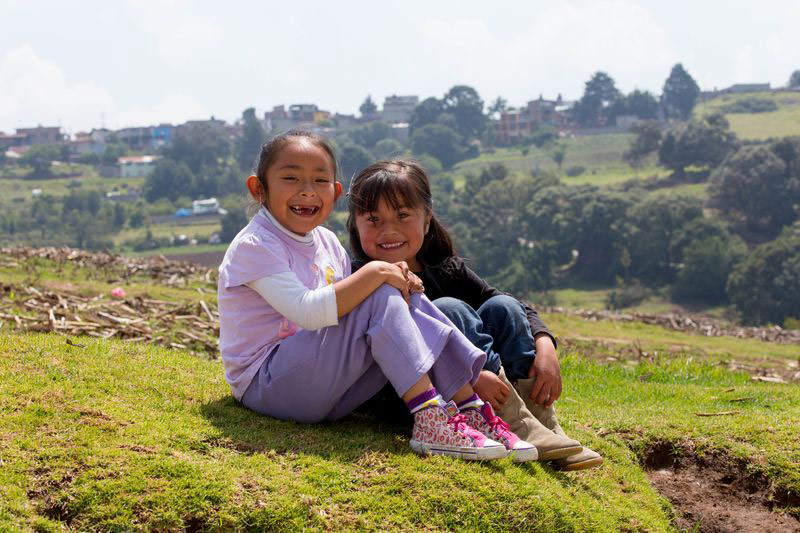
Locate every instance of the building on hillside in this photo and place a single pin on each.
(130, 194)
(398, 108)
(93, 142)
(13, 140)
(515, 124)
(39, 135)
(302, 113)
(747, 88)
(161, 136)
(277, 119)
(136, 166)
(345, 121)
(137, 138)
(183, 129)
(400, 131)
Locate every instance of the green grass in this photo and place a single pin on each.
(129, 436)
(15, 194)
(759, 126)
(116, 436)
(201, 230)
(601, 155)
(617, 336)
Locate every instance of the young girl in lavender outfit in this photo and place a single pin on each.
(303, 339)
(391, 219)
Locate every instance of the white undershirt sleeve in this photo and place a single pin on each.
(308, 308)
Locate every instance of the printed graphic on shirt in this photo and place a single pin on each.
(287, 329)
(330, 275)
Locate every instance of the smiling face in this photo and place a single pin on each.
(301, 188)
(392, 235)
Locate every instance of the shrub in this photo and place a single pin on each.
(750, 105)
(627, 296)
(577, 170)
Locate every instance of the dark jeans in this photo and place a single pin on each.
(499, 327)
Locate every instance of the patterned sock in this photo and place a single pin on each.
(473, 402)
(426, 399)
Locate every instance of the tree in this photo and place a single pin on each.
(248, 146)
(558, 153)
(439, 141)
(704, 142)
(651, 227)
(352, 159)
(641, 104)
(204, 144)
(232, 223)
(112, 152)
(541, 135)
(168, 180)
(368, 109)
(647, 141)
(765, 286)
(370, 134)
(680, 93)
(759, 186)
(464, 103)
(599, 104)
(388, 148)
(706, 266)
(498, 106)
(425, 113)
(40, 157)
(794, 79)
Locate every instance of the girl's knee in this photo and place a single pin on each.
(450, 304)
(504, 303)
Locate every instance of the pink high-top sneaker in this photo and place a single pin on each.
(484, 420)
(441, 430)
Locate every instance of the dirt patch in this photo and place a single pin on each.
(208, 259)
(715, 493)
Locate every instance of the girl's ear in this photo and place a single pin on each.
(256, 191)
(428, 218)
(337, 190)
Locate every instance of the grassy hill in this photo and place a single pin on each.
(107, 434)
(783, 122)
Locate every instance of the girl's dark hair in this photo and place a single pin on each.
(271, 149)
(400, 182)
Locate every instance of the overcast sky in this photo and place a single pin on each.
(129, 62)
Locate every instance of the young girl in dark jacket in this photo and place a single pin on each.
(391, 219)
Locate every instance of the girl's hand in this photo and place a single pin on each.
(546, 371)
(394, 275)
(414, 283)
(490, 389)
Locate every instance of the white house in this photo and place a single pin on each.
(204, 207)
(136, 166)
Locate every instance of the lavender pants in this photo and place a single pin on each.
(325, 374)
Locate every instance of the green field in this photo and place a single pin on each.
(601, 155)
(759, 126)
(112, 435)
(16, 193)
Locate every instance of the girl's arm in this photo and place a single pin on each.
(354, 289)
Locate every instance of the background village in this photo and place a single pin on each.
(621, 201)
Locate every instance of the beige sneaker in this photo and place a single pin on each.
(520, 420)
(581, 460)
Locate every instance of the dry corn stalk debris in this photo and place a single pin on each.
(180, 324)
(705, 326)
